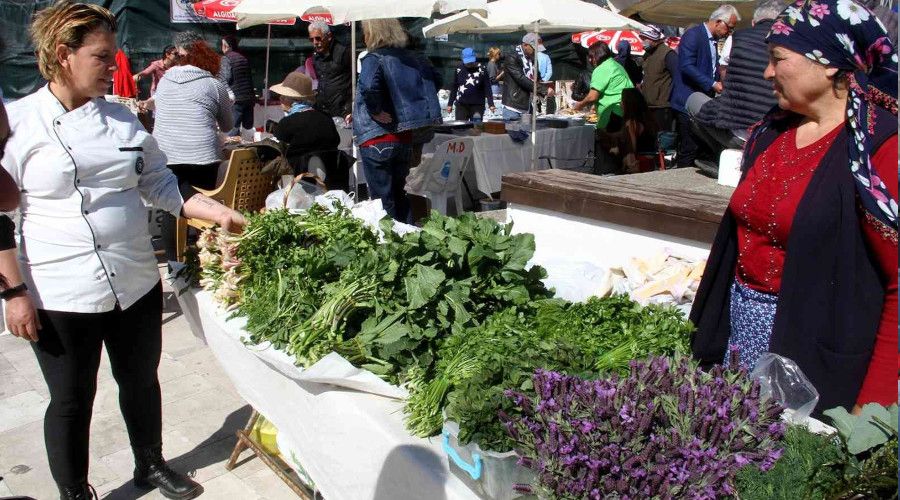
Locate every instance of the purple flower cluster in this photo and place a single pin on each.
(667, 430)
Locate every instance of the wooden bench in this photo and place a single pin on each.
(681, 202)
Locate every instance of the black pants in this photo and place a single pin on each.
(201, 176)
(687, 143)
(664, 119)
(68, 352)
(467, 111)
(604, 162)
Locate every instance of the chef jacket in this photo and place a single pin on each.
(84, 244)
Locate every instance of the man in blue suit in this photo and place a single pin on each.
(698, 71)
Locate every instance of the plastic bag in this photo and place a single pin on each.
(780, 378)
(294, 193)
(265, 435)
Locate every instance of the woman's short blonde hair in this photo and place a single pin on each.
(381, 33)
(68, 23)
(493, 53)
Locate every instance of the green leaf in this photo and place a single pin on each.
(422, 285)
(393, 333)
(861, 432)
(458, 246)
(522, 252)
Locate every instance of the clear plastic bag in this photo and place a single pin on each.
(295, 193)
(781, 379)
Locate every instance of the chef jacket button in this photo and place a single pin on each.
(58, 123)
(98, 247)
(112, 274)
(77, 181)
(86, 212)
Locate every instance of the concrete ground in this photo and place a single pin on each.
(201, 412)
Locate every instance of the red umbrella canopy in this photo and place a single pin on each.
(611, 38)
(221, 10)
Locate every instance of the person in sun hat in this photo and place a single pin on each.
(471, 88)
(804, 264)
(304, 128)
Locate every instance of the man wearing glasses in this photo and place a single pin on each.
(698, 63)
(332, 64)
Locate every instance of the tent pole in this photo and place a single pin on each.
(354, 187)
(266, 79)
(537, 76)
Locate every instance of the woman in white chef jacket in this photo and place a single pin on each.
(88, 273)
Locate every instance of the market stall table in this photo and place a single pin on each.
(496, 155)
(353, 445)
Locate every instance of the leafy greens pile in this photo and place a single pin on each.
(584, 339)
(859, 462)
(450, 311)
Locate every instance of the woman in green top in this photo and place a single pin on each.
(608, 81)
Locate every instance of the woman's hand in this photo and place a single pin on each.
(22, 318)
(232, 221)
(383, 117)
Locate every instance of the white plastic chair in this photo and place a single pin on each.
(442, 174)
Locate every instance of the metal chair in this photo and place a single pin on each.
(244, 189)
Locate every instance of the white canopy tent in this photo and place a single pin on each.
(539, 16)
(253, 12)
(681, 13)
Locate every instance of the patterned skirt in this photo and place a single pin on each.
(752, 318)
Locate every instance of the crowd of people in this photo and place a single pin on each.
(804, 263)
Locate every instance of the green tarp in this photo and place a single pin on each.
(145, 29)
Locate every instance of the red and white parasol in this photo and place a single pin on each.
(221, 10)
(611, 38)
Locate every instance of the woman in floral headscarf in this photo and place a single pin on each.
(805, 261)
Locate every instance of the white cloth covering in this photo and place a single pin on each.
(352, 444)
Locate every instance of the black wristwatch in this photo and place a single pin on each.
(13, 292)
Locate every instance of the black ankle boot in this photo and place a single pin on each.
(151, 471)
(82, 491)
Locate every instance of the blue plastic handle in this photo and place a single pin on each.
(473, 470)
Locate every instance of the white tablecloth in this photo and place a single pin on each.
(496, 154)
(352, 444)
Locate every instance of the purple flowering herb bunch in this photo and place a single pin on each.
(666, 430)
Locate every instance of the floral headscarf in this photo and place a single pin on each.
(845, 35)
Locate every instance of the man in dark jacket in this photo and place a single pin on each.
(239, 78)
(698, 71)
(519, 69)
(723, 122)
(660, 66)
(333, 68)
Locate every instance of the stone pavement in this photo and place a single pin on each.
(201, 412)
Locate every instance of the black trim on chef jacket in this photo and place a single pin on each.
(76, 182)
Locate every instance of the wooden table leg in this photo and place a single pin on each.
(240, 446)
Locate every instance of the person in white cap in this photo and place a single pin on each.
(660, 66)
(519, 74)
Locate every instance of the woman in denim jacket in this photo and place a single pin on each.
(395, 95)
